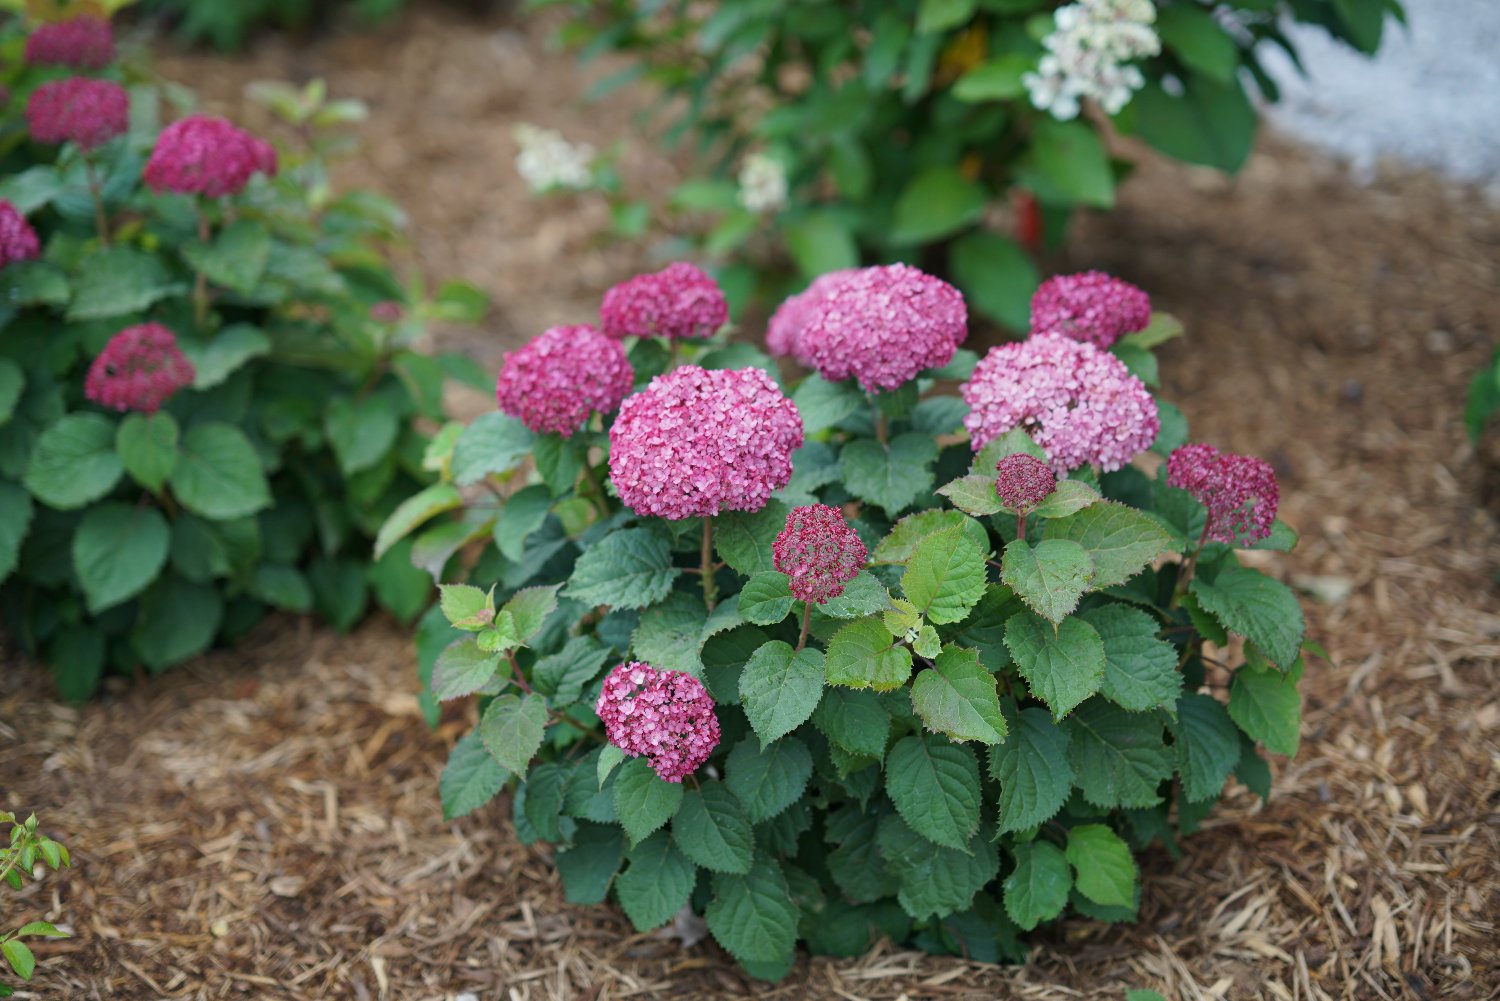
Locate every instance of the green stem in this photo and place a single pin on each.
(1021, 525)
(806, 617)
(200, 281)
(710, 589)
(101, 221)
(590, 479)
(1188, 568)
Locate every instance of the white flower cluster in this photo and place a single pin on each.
(1087, 54)
(548, 161)
(762, 183)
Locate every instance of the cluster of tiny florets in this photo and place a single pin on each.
(1023, 481)
(203, 155)
(881, 325)
(819, 552)
(563, 375)
(679, 301)
(665, 716)
(784, 332)
(77, 109)
(1239, 491)
(1088, 56)
(18, 240)
(546, 160)
(1080, 404)
(1091, 306)
(697, 441)
(81, 42)
(387, 311)
(139, 369)
(763, 184)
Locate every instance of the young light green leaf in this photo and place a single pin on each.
(19, 956)
(512, 729)
(863, 654)
(935, 786)
(780, 688)
(903, 538)
(466, 606)
(1070, 497)
(420, 507)
(945, 576)
(974, 494)
(1049, 577)
(530, 607)
(864, 595)
(1063, 664)
(711, 829)
(1037, 888)
(1012, 442)
(462, 669)
(957, 697)
(1104, 869)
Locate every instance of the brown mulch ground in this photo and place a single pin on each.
(264, 823)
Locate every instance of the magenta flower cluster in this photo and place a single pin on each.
(18, 240)
(879, 325)
(819, 552)
(80, 42)
(139, 369)
(697, 441)
(77, 109)
(1023, 481)
(203, 155)
(1239, 491)
(1080, 404)
(784, 332)
(562, 376)
(665, 716)
(679, 301)
(1092, 306)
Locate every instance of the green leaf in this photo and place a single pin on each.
(74, 462)
(1120, 540)
(945, 576)
(997, 80)
(974, 494)
(656, 883)
(530, 608)
(1268, 708)
(824, 404)
(1143, 995)
(854, 720)
(19, 956)
(935, 880)
(937, 202)
(471, 778)
(1063, 664)
(12, 383)
(219, 474)
(466, 606)
(711, 829)
(1209, 123)
(863, 595)
(494, 443)
(119, 281)
(417, 509)
(1140, 670)
(216, 359)
(284, 587)
(645, 801)
(610, 758)
(525, 511)
(557, 460)
(957, 697)
(1050, 577)
(1196, 38)
(935, 786)
(891, 478)
(147, 446)
(770, 779)
(1208, 748)
(1037, 888)
(780, 688)
(941, 15)
(820, 242)
(1119, 757)
(753, 916)
(1066, 164)
(512, 728)
(118, 549)
(1070, 497)
(361, 432)
(766, 598)
(671, 633)
(862, 654)
(236, 258)
(743, 541)
(904, 537)
(1012, 442)
(1259, 608)
(1103, 865)
(463, 668)
(43, 928)
(16, 511)
(1032, 768)
(996, 276)
(589, 865)
(177, 619)
(631, 568)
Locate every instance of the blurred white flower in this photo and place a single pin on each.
(762, 183)
(1090, 44)
(548, 161)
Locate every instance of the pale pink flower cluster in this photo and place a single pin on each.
(203, 155)
(784, 332)
(18, 240)
(1080, 404)
(879, 325)
(665, 716)
(562, 376)
(1091, 306)
(697, 441)
(679, 301)
(81, 42)
(76, 109)
(819, 552)
(1240, 491)
(1023, 481)
(139, 369)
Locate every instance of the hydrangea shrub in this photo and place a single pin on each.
(837, 657)
(209, 394)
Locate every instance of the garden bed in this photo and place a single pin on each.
(264, 822)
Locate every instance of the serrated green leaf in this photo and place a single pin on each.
(147, 446)
(235, 258)
(1267, 706)
(743, 540)
(1063, 664)
(753, 916)
(767, 780)
(973, 494)
(1049, 577)
(780, 688)
(935, 880)
(1207, 746)
(1069, 497)
(119, 281)
(425, 504)
(957, 698)
(906, 534)
(471, 778)
(630, 568)
(118, 549)
(1105, 871)
(863, 595)
(494, 443)
(588, 866)
(855, 720)
(935, 786)
(360, 431)
(656, 883)
(824, 404)
(610, 758)
(1140, 669)
(670, 633)
(1032, 768)
(529, 609)
(1120, 540)
(711, 829)
(1118, 757)
(74, 462)
(512, 728)
(945, 576)
(644, 800)
(19, 956)
(863, 654)
(1037, 888)
(1259, 608)
(216, 359)
(466, 606)
(766, 598)
(891, 478)
(219, 474)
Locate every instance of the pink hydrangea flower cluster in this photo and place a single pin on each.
(1091, 306)
(82, 42)
(1023, 481)
(784, 332)
(699, 441)
(77, 109)
(139, 369)
(18, 240)
(203, 155)
(1239, 491)
(665, 716)
(679, 301)
(387, 311)
(882, 325)
(819, 552)
(1079, 403)
(560, 377)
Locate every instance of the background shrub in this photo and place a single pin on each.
(227, 25)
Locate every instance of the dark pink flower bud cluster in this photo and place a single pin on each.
(387, 311)
(665, 716)
(819, 552)
(203, 155)
(1080, 404)
(563, 375)
(77, 109)
(699, 441)
(139, 369)
(882, 326)
(1091, 306)
(1024, 481)
(81, 42)
(18, 240)
(784, 332)
(1239, 491)
(679, 301)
